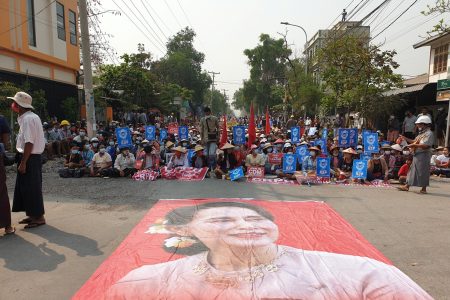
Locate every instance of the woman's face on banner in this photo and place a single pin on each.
(233, 226)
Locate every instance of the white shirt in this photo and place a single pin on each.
(30, 131)
(123, 162)
(443, 159)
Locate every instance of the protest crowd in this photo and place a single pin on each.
(306, 150)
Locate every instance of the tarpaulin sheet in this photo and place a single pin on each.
(184, 173)
(246, 249)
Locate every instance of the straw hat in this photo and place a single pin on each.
(227, 146)
(198, 148)
(253, 147)
(145, 141)
(268, 145)
(350, 151)
(279, 141)
(333, 147)
(314, 148)
(439, 148)
(22, 99)
(169, 144)
(386, 146)
(179, 149)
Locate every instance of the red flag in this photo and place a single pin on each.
(224, 135)
(251, 127)
(267, 121)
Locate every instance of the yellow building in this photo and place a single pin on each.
(39, 43)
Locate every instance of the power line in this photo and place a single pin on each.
(185, 15)
(385, 18)
(105, 43)
(156, 23)
(138, 28)
(173, 14)
(341, 13)
(160, 19)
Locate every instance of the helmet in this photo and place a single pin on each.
(94, 139)
(287, 145)
(423, 120)
(65, 123)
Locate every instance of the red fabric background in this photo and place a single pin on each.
(304, 225)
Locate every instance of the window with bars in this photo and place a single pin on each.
(60, 22)
(73, 27)
(440, 59)
(31, 23)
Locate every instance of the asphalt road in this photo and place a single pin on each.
(88, 218)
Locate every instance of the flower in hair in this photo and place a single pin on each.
(179, 242)
(159, 227)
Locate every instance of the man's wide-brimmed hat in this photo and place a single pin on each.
(350, 151)
(227, 146)
(314, 148)
(268, 145)
(22, 99)
(397, 147)
(169, 144)
(198, 148)
(179, 149)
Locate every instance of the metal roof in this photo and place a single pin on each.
(405, 90)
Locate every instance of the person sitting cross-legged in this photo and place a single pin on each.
(124, 163)
(101, 163)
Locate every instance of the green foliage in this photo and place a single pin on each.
(355, 74)
(219, 104)
(7, 89)
(440, 7)
(71, 109)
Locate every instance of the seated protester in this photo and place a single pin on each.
(199, 159)
(167, 153)
(184, 143)
(74, 164)
(254, 159)
(87, 154)
(81, 137)
(403, 172)
(437, 152)
(53, 141)
(287, 149)
(66, 136)
(101, 163)
(141, 146)
(388, 156)
(344, 171)
(268, 167)
(278, 146)
(226, 161)
(399, 161)
(178, 159)
(377, 168)
(94, 144)
(239, 154)
(148, 158)
(335, 160)
(124, 164)
(111, 149)
(359, 150)
(443, 163)
(309, 164)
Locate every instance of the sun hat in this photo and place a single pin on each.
(439, 148)
(386, 146)
(268, 145)
(287, 145)
(396, 147)
(333, 147)
(423, 120)
(169, 144)
(279, 141)
(22, 99)
(350, 151)
(198, 148)
(314, 148)
(179, 149)
(227, 146)
(253, 147)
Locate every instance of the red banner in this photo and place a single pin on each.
(246, 249)
(172, 128)
(184, 174)
(280, 181)
(275, 158)
(255, 172)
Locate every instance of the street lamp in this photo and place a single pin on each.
(306, 36)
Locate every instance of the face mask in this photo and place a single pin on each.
(269, 150)
(290, 152)
(262, 145)
(420, 128)
(102, 150)
(335, 153)
(359, 151)
(387, 152)
(406, 152)
(376, 158)
(74, 151)
(82, 133)
(86, 147)
(95, 145)
(126, 152)
(111, 143)
(236, 148)
(312, 153)
(184, 144)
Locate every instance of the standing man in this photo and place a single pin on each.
(209, 134)
(409, 125)
(30, 145)
(5, 208)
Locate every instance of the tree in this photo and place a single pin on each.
(440, 7)
(355, 73)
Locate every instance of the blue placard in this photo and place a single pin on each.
(323, 145)
(344, 137)
(325, 133)
(353, 137)
(365, 156)
(190, 154)
(237, 173)
(150, 133)
(366, 131)
(359, 170)
(162, 134)
(323, 167)
(239, 135)
(295, 134)
(183, 133)
(301, 152)
(123, 136)
(289, 163)
(370, 141)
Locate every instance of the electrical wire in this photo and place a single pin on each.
(159, 18)
(341, 13)
(156, 23)
(173, 14)
(184, 13)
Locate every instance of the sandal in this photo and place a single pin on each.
(403, 189)
(34, 225)
(421, 192)
(11, 230)
(26, 221)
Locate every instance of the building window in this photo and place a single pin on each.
(73, 27)
(440, 59)
(60, 23)
(31, 23)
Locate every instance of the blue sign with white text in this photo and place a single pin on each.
(344, 137)
(183, 133)
(359, 170)
(353, 140)
(190, 154)
(289, 163)
(301, 152)
(323, 145)
(295, 134)
(365, 156)
(323, 167)
(237, 173)
(162, 134)
(325, 133)
(150, 133)
(123, 137)
(370, 141)
(239, 135)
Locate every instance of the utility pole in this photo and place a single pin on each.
(212, 85)
(447, 130)
(87, 70)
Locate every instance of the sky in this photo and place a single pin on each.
(226, 28)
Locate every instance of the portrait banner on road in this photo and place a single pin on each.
(275, 158)
(162, 135)
(170, 253)
(184, 174)
(123, 136)
(323, 167)
(370, 142)
(236, 174)
(183, 133)
(238, 135)
(289, 163)
(150, 133)
(255, 172)
(279, 181)
(359, 170)
(295, 134)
